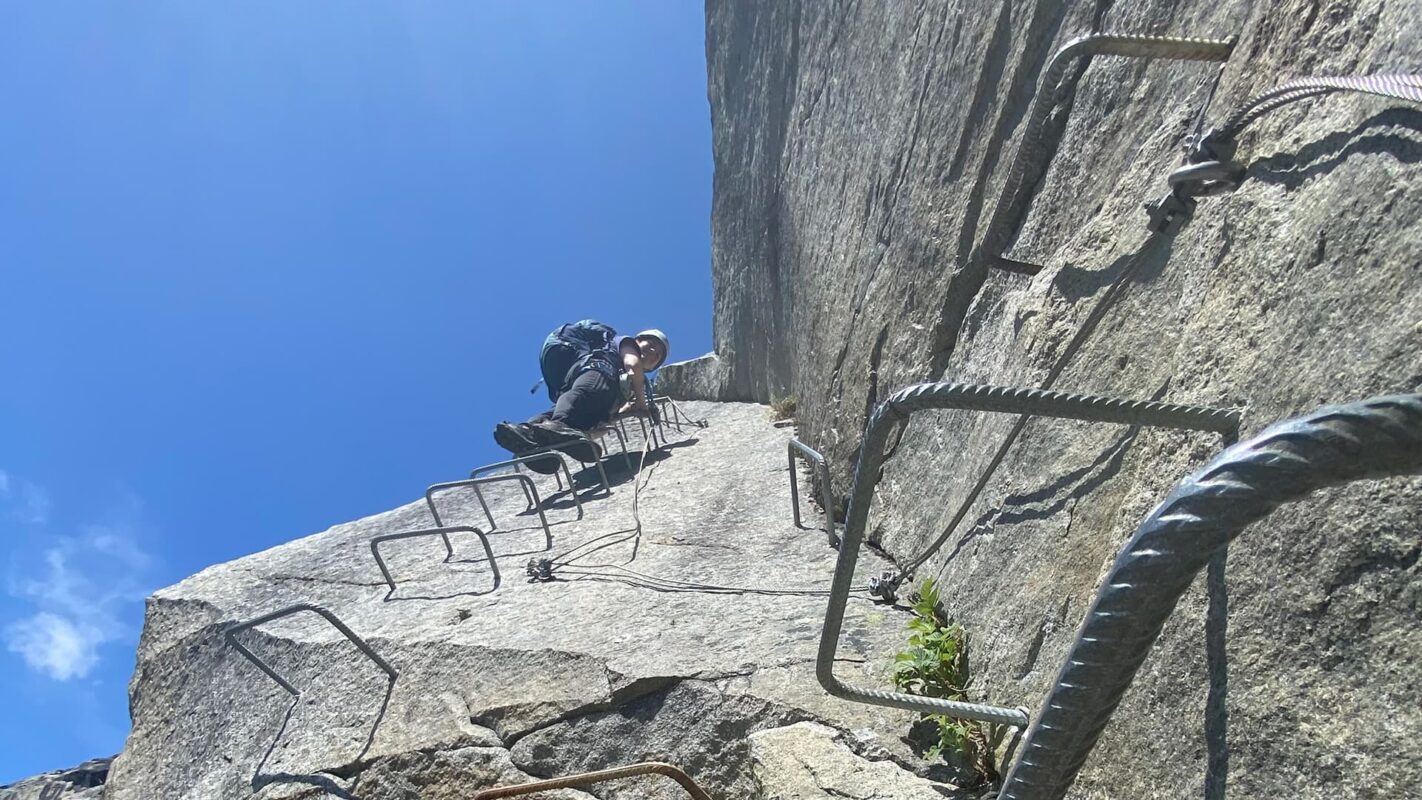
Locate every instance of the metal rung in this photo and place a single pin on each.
(826, 497)
(649, 431)
(442, 533)
(560, 450)
(525, 460)
(896, 410)
(611, 426)
(601, 776)
(678, 416)
(335, 621)
(1332, 446)
(475, 483)
(1013, 201)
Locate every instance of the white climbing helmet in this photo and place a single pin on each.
(661, 338)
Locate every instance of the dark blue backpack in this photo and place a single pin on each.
(573, 348)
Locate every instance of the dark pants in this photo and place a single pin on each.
(589, 401)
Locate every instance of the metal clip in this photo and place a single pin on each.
(886, 586)
(539, 569)
(1206, 178)
(1200, 179)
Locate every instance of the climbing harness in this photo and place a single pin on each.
(232, 631)
(899, 407)
(1289, 460)
(442, 533)
(601, 776)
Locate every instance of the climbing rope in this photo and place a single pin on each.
(643, 580)
(541, 569)
(550, 569)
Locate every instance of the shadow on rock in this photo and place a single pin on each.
(324, 781)
(1326, 154)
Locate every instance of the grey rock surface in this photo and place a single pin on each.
(698, 379)
(806, 760)
(84, 782)
(644, 648)
(860, 150)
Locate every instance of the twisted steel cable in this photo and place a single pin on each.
(1032, 151)
(587, 778)
(1047, 402)
(898, 407)
(1398, 87)
(1226, 421)
(1374, 438)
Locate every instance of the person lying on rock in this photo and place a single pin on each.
(592, 373)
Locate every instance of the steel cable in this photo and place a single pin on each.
(1398, 87)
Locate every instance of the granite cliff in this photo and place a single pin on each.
(861, 151)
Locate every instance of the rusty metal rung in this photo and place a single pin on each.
(587, 778)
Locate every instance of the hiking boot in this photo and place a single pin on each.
(513, 439)
(550, 433)
(545, 465)
(566, 439)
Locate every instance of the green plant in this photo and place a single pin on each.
(782, 408)
(936, 665)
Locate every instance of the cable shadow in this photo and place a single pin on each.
(321, 781)
(662, 587)
(1143, 266)
(1073, 486)
(1292, 170)
(498, 581)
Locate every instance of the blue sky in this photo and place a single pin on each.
(270, 266)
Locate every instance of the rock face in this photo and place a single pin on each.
(676, 642)
(860, 150)
(84, 782)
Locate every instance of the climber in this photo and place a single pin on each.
(592, 373)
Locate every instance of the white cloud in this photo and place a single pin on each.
(23, 501)
(54, 645)
(77, 590)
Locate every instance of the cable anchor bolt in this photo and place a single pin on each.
(539, 570)
(886, 586)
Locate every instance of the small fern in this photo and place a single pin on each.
(936, 665)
